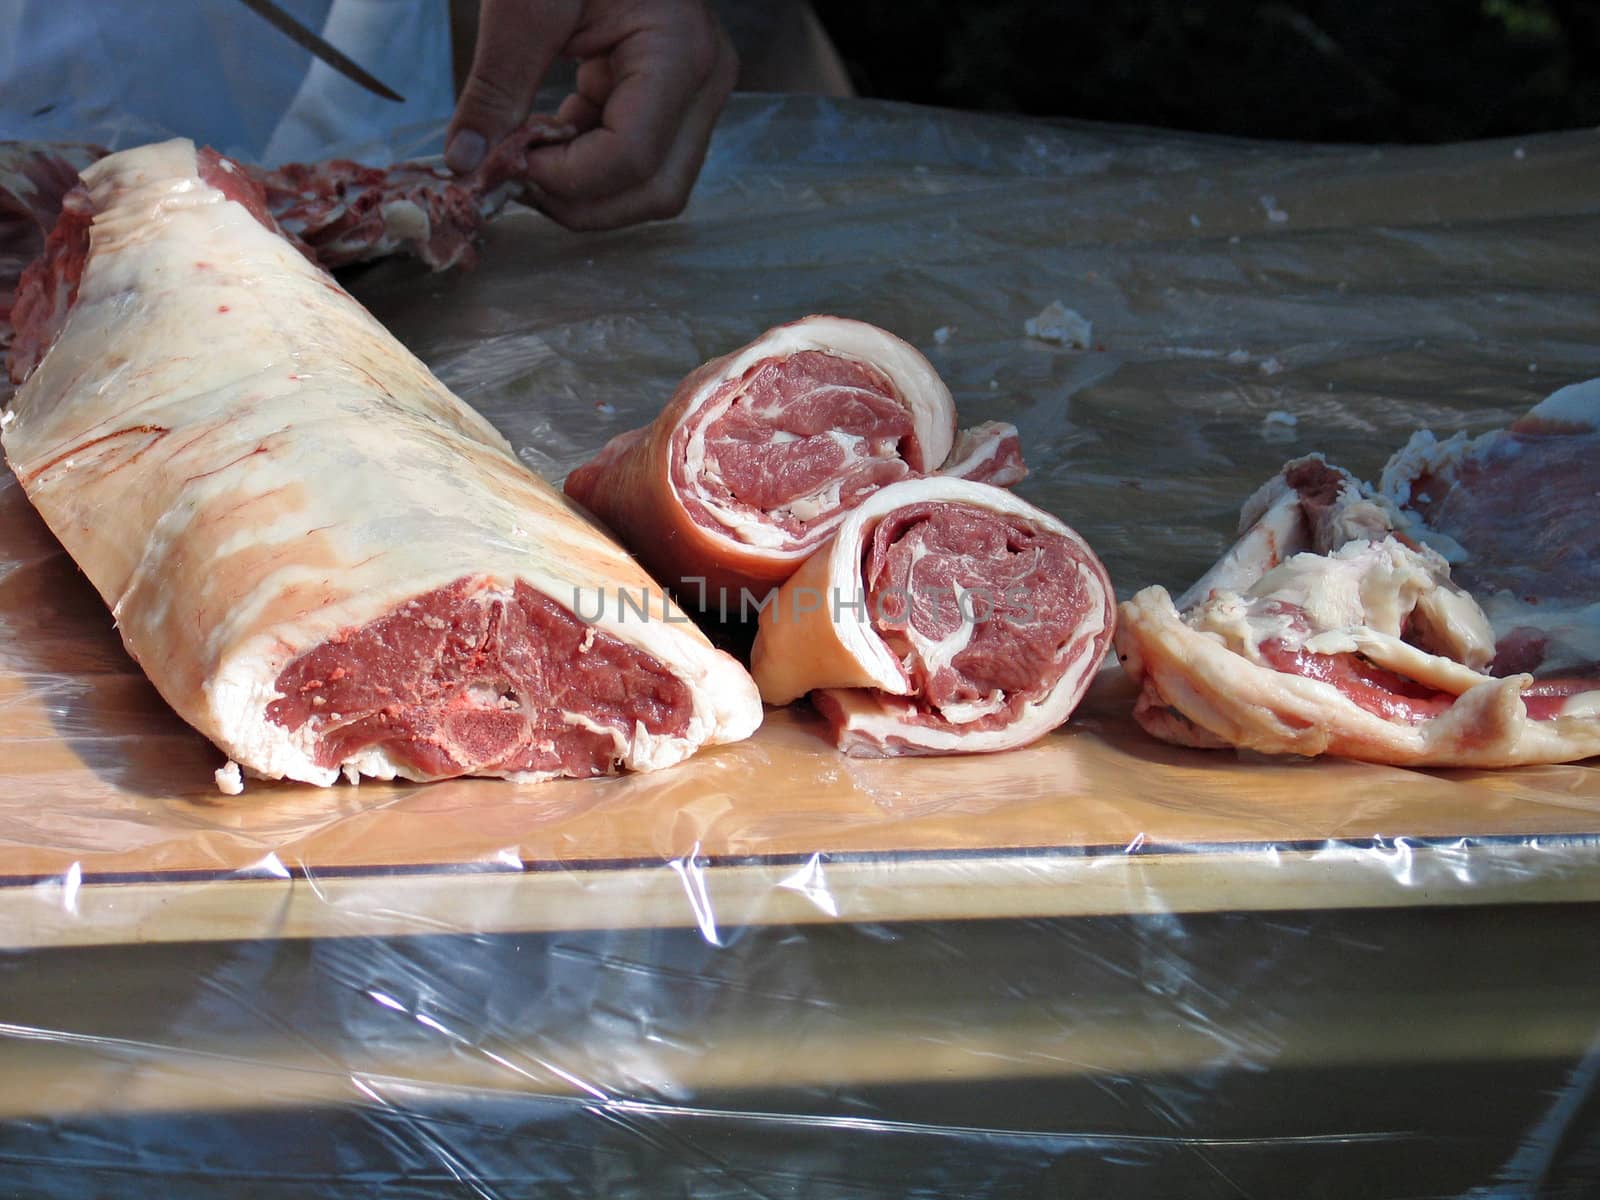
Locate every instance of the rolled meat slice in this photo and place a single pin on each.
(759, 455)
(945, 616)
(323, 560)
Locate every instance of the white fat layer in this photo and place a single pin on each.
(1423, 454)
(940, 653)
(969, 456)
(1433, 670)
(1585, 706)
(1276, 530)
(1575, 404)
(405, 220)
(230, 782)
(1450, 620)
(1362, 583)
(965, 713)
(936, 654)
(1357, 599)
(875, 725)
(1094, 622)
(620, 744)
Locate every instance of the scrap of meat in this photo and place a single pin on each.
(34, 180)
(1517, 512)
(349, 213)
(944, 617)
(323, 560)
(338, 212)
(1334, 626)
(761, 454)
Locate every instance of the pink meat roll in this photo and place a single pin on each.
(944, 617)
(760, 454)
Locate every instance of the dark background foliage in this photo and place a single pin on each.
(1327, 70)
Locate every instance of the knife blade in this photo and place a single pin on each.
(320, 48)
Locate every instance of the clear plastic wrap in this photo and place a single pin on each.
(1100, 965)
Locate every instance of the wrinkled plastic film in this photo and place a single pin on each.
(1100, 962)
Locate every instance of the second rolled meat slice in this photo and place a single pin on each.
(759, 455)
(945, 616)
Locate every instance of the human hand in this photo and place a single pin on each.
(653, 76)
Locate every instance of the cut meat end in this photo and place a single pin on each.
(467, 679)
(980, 608)
(987, 453)
(794, 444)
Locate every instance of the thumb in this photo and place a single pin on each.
(517, 42)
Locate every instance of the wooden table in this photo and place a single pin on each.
(112, 830)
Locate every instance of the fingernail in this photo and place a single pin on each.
(465, 150)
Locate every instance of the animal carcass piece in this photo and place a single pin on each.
(944, 617)
(323, 560)
(759, 455)
(1334, 626)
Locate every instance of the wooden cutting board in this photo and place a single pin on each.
(112, 829)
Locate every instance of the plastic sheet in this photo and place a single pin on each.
(1101, 965)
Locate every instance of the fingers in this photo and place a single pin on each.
(517, 42)
(649, 94)
(582, 110)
